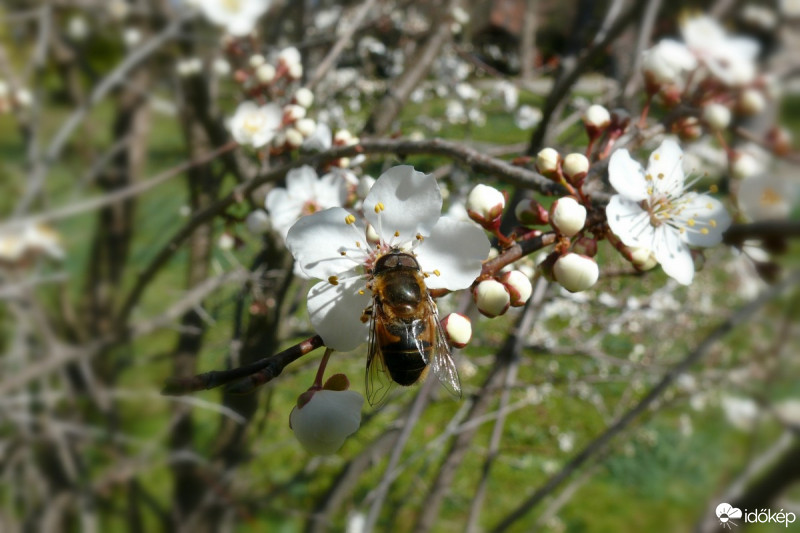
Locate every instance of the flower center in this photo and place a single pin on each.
(769, 197)
(253, 122)
(232, 5)
(310, 207)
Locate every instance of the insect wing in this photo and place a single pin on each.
(378, 381)
(441, 362)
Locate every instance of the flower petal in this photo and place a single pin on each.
(629, 221)
(673, 254)
(300, 182)
(627, 176)
(331, 190)
(665, 168)
(411, 200)
(317, 242)
(284, 211)
(704, 219)
(335, 312)
(456, 249)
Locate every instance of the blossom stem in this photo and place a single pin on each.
(317, 385)
(645, 110)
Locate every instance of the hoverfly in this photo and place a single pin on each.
(406, 337)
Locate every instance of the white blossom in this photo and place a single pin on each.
(404, 208)
(255, 125)
(731, 59)
(655, 210)
(238, 17)
(304, 194)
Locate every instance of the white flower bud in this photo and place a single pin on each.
(257, 222)
(293, 137)
(547, 161)
(265, 73)
(567, 216)
(745, 165)
(492, 298)
(131, 37)
(518, 286)
(306, 126)
(289, 56)
(575, 166)
(295, 71)
(304, 97)
(597, 116)
(643, 258)
(226, 241)
(717, 116)
(256, 60)
(293, 112)
(485, 202)
(576, 272)
(77, 28)
(326, 420)
(751, 102)
(344, 138)
(23, 98)
(221, 67)
(458, 329)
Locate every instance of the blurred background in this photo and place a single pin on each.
(129, 255)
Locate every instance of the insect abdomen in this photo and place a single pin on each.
(406, 358)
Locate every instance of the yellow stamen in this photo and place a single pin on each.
(704, 231)
(691, 222)
(343, 253)
(713, 189)
(661, 175)
(350, 219)
(656, 157)
(437, 273)
(379, 207)
(396, 233)
(333, 280)
(712, 223)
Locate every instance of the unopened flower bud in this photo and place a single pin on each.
(547, 161)
(344, 138)
(221, 67)
(293, 137)
(265, 73)
(596, 118)
(518, 286)
(326, 419)
(531, 213)
(295, 71)
(257, 222)
(226, 241)
(289, 56)
(293, 112)
(576, 272)
(256, 60)
(306, 126)
(491, 297)
(751, 102)
(780, 139)
(717, 116)
(585, 246)
(745, 165)
(303, 97)
(643, 259)
(687, 128)
(458, 329)
(567, 216)
(575, 167)
(485, 204)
